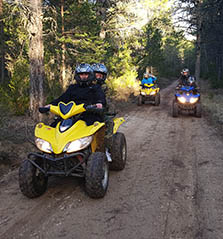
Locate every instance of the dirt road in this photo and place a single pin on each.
(171, 188)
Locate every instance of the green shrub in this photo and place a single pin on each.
(15, 94)
(124, 85)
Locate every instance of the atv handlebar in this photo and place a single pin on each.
(94, 109)
(88, 108)
(111, 114)
(44, 110)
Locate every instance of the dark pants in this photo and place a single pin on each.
(90, 118)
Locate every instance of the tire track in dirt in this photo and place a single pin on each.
(25, 215)
(180, 177)
(208, 195)
(144, 169)
(194, 143)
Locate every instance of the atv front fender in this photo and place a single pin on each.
(117, 123)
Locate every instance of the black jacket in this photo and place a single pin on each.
(88, 95)
(183, 80)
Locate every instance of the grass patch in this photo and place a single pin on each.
(212, 101)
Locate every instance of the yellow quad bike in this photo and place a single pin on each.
(149, 92)
(73, 149)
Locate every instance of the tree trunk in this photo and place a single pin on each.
(102, 8)
(198, 41)
(205, 66)
(63, 67)
(2, 56)
(36, 52)
(219, 66)
(198, 57)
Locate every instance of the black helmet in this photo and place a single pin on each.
(81, 69)
(100, 68)
(185, 71)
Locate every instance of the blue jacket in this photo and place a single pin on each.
(148, 81)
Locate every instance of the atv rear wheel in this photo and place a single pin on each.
(118, 151)
(175, 109)
(97, 175)
(198, 110)
(157, 99)
(139, 100)
(32, 181)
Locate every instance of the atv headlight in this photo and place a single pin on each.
(78, 144)
(143, 93)
(153, 93)
(193, 100)
(43, 145)
(182, 99)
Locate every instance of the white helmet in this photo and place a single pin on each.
(191, 80)
(146, 75)
(185, 71)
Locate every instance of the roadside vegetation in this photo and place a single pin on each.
(127, 36)
(212, 101)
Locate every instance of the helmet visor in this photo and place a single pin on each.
(84, 76)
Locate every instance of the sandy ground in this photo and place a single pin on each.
(171, 188)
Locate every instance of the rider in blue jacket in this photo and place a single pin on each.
(148, 79)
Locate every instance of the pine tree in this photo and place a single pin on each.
(36, 52)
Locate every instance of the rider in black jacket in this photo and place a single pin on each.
(83, 91)
(187, 80)
(185, 73)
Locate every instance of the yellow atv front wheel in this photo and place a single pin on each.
(157, 99)
(32, 181)
(140, 101)
(97, 175)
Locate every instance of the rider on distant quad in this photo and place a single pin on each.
(187, 80)
(184, 75)
(148, 79)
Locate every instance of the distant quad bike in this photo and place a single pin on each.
(150, 93)
(187, 99)
(73, 149)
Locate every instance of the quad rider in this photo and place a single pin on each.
(84, 91)
(149, 91)
(187, 80)
(148, 79)
(100, 73)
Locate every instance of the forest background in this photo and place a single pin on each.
(41, 42)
